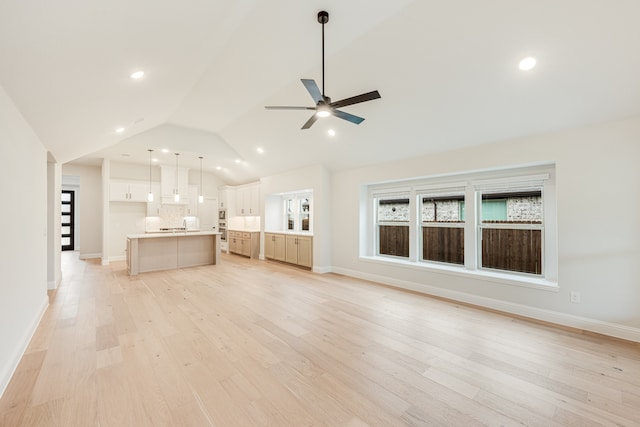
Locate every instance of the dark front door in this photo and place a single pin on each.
(67, 219)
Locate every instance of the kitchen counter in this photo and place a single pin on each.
(171, 250)
(292, 233)
(171, 233)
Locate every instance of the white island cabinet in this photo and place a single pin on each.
(165, 251)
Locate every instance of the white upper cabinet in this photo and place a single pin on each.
(153, 207)
(192, 201)
(128, 191)
(248, 200)
(168, 185)
(227, 197)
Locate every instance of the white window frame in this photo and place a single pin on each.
(296, 199)
(451, 189)
(473, 184)
(390, 195)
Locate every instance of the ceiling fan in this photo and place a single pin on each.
(324, 107)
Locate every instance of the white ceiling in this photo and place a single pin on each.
(446, 70)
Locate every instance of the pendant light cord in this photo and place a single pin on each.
(200, 175)
(150, 151)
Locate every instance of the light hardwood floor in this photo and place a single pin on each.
(252, 342)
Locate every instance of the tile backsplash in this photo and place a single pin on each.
(244, 223)
(171, 216)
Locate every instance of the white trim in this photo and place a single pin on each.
(442, 188)
(53, 284)
(583, 323)
(89, 256)
(322, 270)
(7, 374)
(117, 258)
(389, 193)
(495, 276)
(508, 182)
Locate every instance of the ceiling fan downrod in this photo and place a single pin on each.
(323, 18)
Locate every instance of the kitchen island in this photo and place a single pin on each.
(165, 251)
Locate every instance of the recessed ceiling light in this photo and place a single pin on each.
(155, 160)
(260, 150)
(218, 168)
(119, 130)
(527, 63)
(331, 132)
(238, 160)
(165, 150)
(137, 75)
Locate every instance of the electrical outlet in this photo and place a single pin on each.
(575, 297)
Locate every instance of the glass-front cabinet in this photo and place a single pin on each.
(298, 213)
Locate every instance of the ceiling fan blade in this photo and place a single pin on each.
(348, 117)
(313, 90)
(310, 122)
(356, 99)
(276, 107)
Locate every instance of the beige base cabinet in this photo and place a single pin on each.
(244, 243)
(274, 246)
(304, 244)
(291, 248)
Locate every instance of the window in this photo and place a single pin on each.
(297, 209)
(442, 219)
(511, 231)
(500, 223)
(392, 223)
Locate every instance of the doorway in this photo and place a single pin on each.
(67, 210)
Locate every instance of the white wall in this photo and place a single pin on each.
(23, 254)
(318, 179)
(88, 204)
(54, 238)
(598, 247)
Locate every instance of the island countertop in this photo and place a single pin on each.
(172, 234)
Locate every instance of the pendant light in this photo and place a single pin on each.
(150, 195)
(176, 194)
(200, 197)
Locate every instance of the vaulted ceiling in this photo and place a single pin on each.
(447, 72)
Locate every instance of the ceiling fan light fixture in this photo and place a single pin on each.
(323, 111)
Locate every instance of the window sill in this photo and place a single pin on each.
(503, 278)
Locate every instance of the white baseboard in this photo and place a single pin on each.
(322, 270)
(7, 373)
(118, 258)
(578, 322)
(89, 256)
(53, 284)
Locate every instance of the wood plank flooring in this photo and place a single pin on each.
(256, 343)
